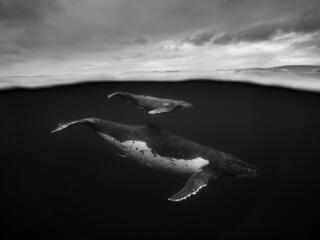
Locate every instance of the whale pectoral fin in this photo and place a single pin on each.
(160, 110)
(193, 185)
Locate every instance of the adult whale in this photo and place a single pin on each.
(157, 148)
(152, 105)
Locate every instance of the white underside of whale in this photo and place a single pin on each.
(140, 151)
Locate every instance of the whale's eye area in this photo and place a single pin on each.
(251, 172)
(254, 172)
(240, 170)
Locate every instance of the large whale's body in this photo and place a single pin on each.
(156, 148)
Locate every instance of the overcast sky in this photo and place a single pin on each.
(116, 38)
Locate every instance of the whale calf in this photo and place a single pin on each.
(152, 105)
(157, 148)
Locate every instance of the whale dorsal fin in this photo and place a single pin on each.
(194, 184)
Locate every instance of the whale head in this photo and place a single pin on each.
(241, 169)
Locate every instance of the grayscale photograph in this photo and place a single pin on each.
(167, 119)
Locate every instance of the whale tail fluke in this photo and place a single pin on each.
(65, 125)
(114, 94)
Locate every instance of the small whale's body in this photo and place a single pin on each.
(152, 105)
(156, 148)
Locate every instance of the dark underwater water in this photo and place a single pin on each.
(71, 185)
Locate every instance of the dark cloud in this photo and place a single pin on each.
(309, 21)
(74, 29)
(16, 12)
(140, 41)
(260, 32)
(9, 50)
(30, 39)
(135, 41)
(304, 21)
(93, 24)
(201, 38)
(312, 43)
(23, 26)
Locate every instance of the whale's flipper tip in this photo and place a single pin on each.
(185, 193)
(194, 184)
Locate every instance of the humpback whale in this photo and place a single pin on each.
(152, 105)
(152, 146)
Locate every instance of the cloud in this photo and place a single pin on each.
(86, 25)
(17, 12)
(307, 22)
(113, 35)
(304, 21)
(312, 42)
(201, 38)
(22, 24)
(136, 41)
(140, 40)
(260, 32)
